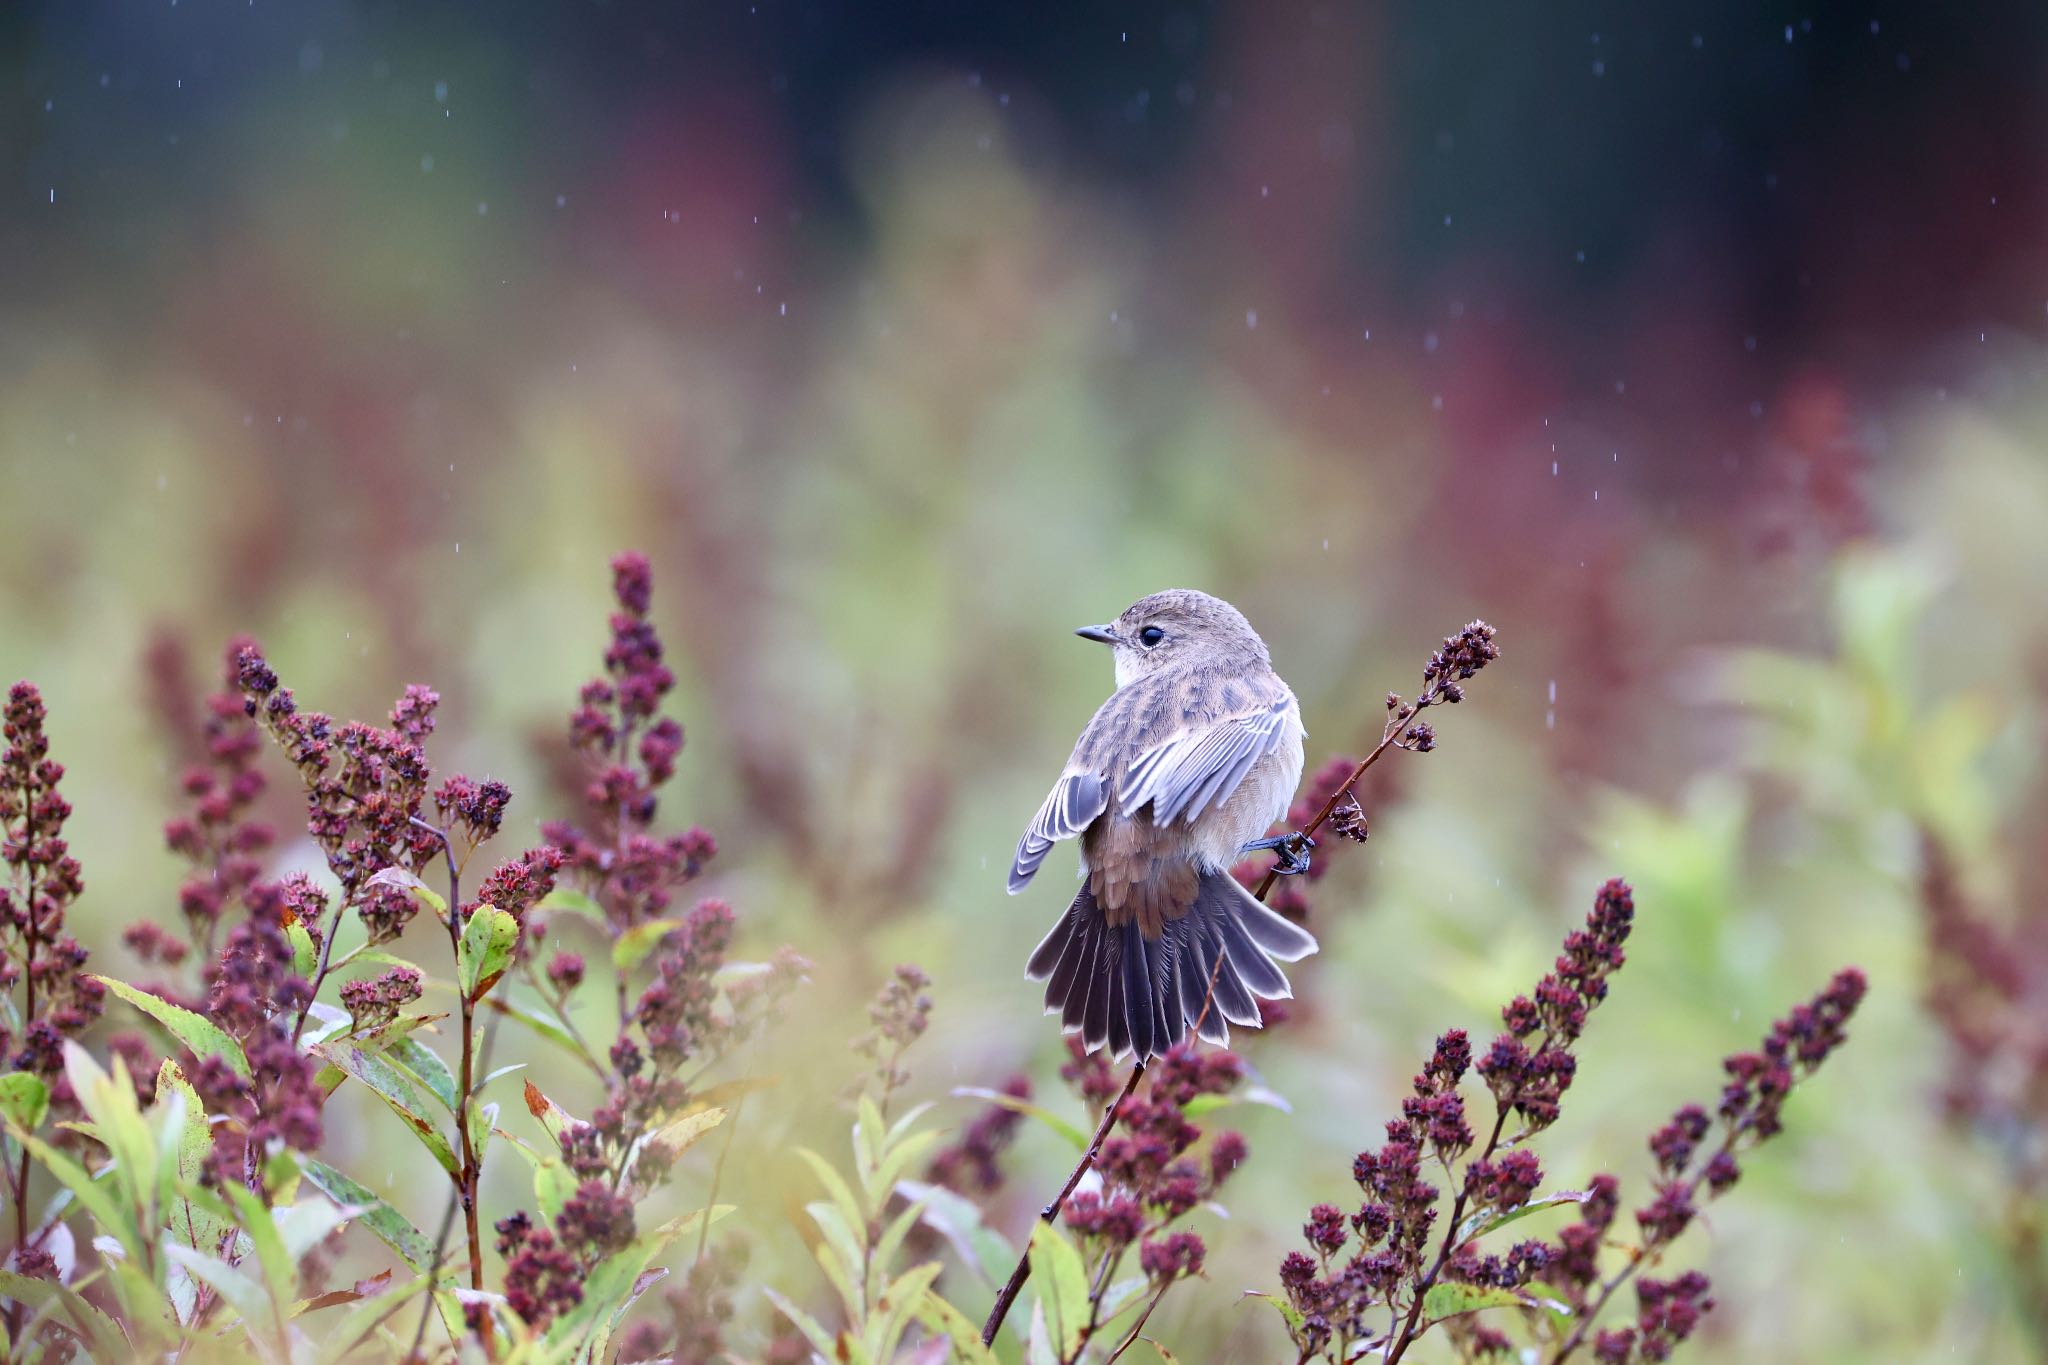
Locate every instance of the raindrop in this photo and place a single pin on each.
(1251, 319)
(440, 92)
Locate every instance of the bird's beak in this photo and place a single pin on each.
(1101, 634)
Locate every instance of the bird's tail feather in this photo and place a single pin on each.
(1114, 986)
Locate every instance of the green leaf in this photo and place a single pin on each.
(682, 1134)
(400, 1090)
(633, 946)
(894, 1310)
(822, 1341)
(836, 1186)
(65, 1305)
(305, 957)
(1286, 1310)
(389, 1225)
(840, 1254)
(241, 1292)
(279, 1267)
(424, 1063)
(1062, 1286)
(537, 1022)
(203, 1036)
(570, 899)
(614, 1281)
(1051, 1120)
(942, 1319)
(404, 880)
(553, 1182)
(1251, 1094)
(485, 950)
(552, 1116)
(24, 1099)
(183, 1168)
(96, 1198)
(898, 1159)
(958, 1220)
(1480, 1223)
(888, 1244)
(1449, 1300)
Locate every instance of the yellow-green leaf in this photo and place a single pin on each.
(202, 1035)
(1062, 1286)
(636, 943)
(24, 1099)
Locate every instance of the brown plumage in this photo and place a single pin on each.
(1196, 753)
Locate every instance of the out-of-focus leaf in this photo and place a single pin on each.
(401, 879)
(613, 1281)
(1479, 1224)
(241, 1292)
(94, 1197)
(897, 1305)
(1251, 1094)
(553, 1182)
(1449, 1300)
(942, 1319)
(389, 1225)
(823, 1342)
(203, 1036)
(570, 899)
(980, 1247)
(836, 1186)
(899, 1158)
(681, 1134)
(840, 1253)
(485, 950)
(888, 1244)
(89, 1324)
(401, 1092)
(632, 947)
(1286, 1310)
(341, 1298)
(24, 1099)
(535, 1021)
(1051, 1120)
(1062, 1281)
(339, 1339)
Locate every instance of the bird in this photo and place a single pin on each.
(1194, 756)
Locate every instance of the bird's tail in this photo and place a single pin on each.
(1113, 985)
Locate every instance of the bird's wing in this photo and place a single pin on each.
(1076, 799)
(1185, 775)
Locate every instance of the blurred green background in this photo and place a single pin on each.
(1697, 347)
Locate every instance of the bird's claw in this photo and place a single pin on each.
(1291, 850)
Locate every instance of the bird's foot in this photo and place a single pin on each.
(1291, 849)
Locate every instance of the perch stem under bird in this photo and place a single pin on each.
(1080, 805)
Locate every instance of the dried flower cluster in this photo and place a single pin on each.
(1154, 1167)
(1377, 1279)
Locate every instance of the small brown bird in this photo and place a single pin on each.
(1192, 758)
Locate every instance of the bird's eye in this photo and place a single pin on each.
(1150, 636)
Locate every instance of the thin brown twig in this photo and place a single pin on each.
(1015, 1285)
(1139, 1325)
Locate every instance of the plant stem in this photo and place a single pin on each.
(467, 1178)
(1390, 738)
(1139, 1325)
(1022, 1272)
